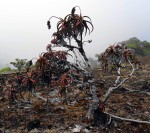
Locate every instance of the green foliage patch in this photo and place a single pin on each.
(5, 69)
(140, 47)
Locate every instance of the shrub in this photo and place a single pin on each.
(5, 69)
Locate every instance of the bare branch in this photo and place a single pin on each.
(126, 119)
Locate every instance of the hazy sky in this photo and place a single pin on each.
(24, 33)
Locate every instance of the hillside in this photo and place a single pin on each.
(68, 116)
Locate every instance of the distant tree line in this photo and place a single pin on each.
(141, 47)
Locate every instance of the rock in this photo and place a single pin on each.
(115, 124)
(85, 131)
(77, 129)
(50, 131)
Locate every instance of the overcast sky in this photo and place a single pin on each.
(24, 33)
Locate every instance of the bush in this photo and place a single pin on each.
(5, 69)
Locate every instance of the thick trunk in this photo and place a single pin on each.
(94, 103)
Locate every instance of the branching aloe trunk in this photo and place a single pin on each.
(118, 83)
(94, 103)
(115, 56)
(112, 59)
(72, 27)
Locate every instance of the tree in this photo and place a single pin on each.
(19, 63)
(97, 55)
(141, 47)
(72, 27)
(115, 58)
(92, 62)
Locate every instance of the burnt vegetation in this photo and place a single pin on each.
(57, 95)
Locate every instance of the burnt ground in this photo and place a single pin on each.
(38, 116)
